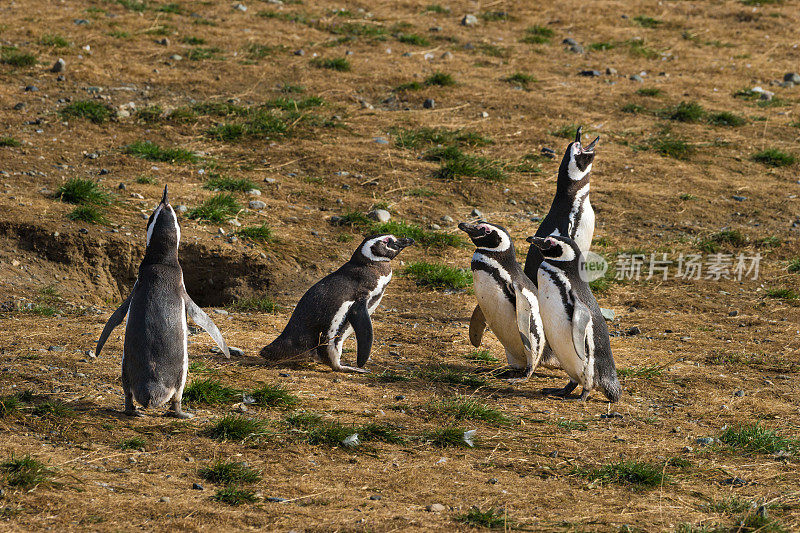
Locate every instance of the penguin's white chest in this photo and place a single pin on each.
(500, 314)
(558, 324)
(585, 226)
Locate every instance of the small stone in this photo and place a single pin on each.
(270, 180)
(197, 486)
(705, 441)
(380, 140)
(447, 56)
(576, 49)
(275, 499)
(733, 313)
(484, 114)
(56, 349)
(739, 198)
(633, 331)
(375, 497)
(447, 219)
(59, 66)
(19, 105)
(91, 354)
(300, 52)
(164, 499)
(399, 397)
(176, 57)
(436, 508)
(590, 73)
(137, 196)
(122, 186)
(608, 314)
(380, 215)
(792, 77)
(83, 230)
(739, 393)
(240, 7)
(257, 205)
(476, 213)
(687, 449)
(31, 88)
(436, 227)
(493, 481)
(221, 311)
(429, 103)
(180, 208)
(81, 22)
(767, 95)
(163, 42)
(104, 171)
(611, 71)
(735, 481)
(637, 78)
(469, 20)
(254, 192)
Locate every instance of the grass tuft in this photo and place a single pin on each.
(228, 472)
(82, 191)
(520, 78)
(627, 472)
(757, 439)
(713, 243)
(217, 209)
(672, 147)
(463, 408)
(234, 496)
(9, 141)
(647, 22)
(782, 294)
(649, 91)
(153, 152)
(481, 356)
(133, 443)
(210, 392)
(491, 518)
(10, 55)
(772, 157)
(262, 233)
(421, 236)
(439, 276)
(261, 304)
(685, 112)
(25, 472)
(412, 38)
(53, 409)
(726, 118)
(8, 405)
(54, 40)
(225, 183)
(87, 213)
(89, 109)
(421, 137)
(440, 79)
(794, 265)
(451, 376)
(537, 35)
(233, 427)
(274, 396)
(446, 437)
(339, 64)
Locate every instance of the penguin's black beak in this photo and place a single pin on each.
(590, 148)
(164, 199)
(472, 230)
(540, 243)
(405, 242)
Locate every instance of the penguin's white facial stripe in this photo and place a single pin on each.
(366, 250)
(153, 224)
(504, 244)
(504, 275)
(574, 173)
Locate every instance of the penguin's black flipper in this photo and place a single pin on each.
(202, 319)
(477, 325)
(581, 326)
(115, 320)
(362, 326)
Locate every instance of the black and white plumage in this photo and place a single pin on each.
(155, 358)
(571, 214)
(507, 299)
(338, 305)
(573, 323)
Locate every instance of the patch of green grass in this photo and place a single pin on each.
(357, 29)
(495, 16)
(567, 131)
(262, 233)
(133, 5)
(757, 439)
(260, 304)
(627, 472)
(649, 91)
(152, 152)
(183, 115)
(437, 8)
(421, 236)
(687, 196)
(439, 276)
(89, 109)
(457, 164)
(146, 180)
(229, 472)
(226, 183)
(731, 505)
(645, 372)
(412, 38)
(42, 310)
(339, 64)
(481, 356)
(602, 46)
(463, 408)
(770, 242)
(782, 294)
(520, 78)
(8, 405)
(54, 40)
(150, 114)
(210, 392)
(234, 428)
(419, 137)
(451, 376)
(260, 51)
(82, 191)
(9, 141)
(726, 118)
(672, 147)
(760, 522)
(388, 376)
(711, 244)
(570, 425)
(632, 108)
(440, 79)
(119, 34)
(234, 496)
(25, 472)
(274, 396)
(772, 157)
(794, 265)
(91, 214)
(355, 219)
(685, 112)
(133, 443)
(10, 55)
(647, 22)
(537, 35)
(200, 53)
(379, 432)
(217, 209)
(219, 109)
(446, 437)
(53, 409)
(638, 48)
(491, 518)
(171, 7)
(421, 192)
(192, 40)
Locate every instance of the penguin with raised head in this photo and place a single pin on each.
(572, 320)
(571, 214)
(155, 358)
(507, 299)
(339, 304)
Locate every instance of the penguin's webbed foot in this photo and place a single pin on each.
(526, 376)
(353, 369)
(132, 412)
(563, 392)
(181, 415)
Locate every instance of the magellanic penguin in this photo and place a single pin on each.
(571, 214)
(507, 299)
(155, 357)
(573, 324)
(337, 305)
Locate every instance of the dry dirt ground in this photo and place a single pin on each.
(711, 355)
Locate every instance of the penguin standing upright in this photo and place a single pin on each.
(337, 305)
(572, 320)
(571, 214)
(155, 358)
(506, 298)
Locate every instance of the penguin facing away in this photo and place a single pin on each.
(573, 324)
(571, 214)
(155, 356)
(339, 304)
(507, 299)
